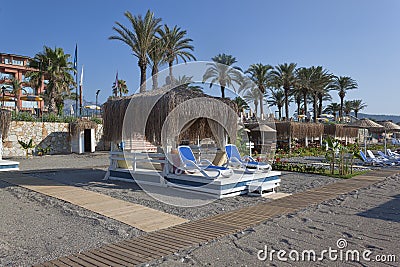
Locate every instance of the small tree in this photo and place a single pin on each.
(27, 146)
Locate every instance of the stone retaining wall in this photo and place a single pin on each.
(44, 134)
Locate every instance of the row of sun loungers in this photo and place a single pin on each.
(388, 159)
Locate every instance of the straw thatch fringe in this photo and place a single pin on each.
(150, 110)
(298, 129)
(82, 124)
(340, 130)
(5, 121)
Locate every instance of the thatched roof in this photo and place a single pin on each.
(339, 130)
(299, 129)
(365, 124)
(82, 124)
(390, 126)
(5, 121)
(153, 108)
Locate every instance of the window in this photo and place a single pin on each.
(18, 62)
(7, 61)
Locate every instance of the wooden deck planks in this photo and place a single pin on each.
(138, 216)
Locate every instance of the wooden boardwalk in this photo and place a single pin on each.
(138, 216)
(168, 241)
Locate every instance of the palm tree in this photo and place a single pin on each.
(157, 57)
(260, 75)
(186, 83)
(347, 107)
(121, 89)
(320, 81)
(139, 39)
(56, 65)
(16, 90)
(284, 76)
(176, 46)
(343, 84)
(357, 106)
(241, 104)
(303, 82)
(222, 72)
(253, 95)
(277, 99)
(332, 108)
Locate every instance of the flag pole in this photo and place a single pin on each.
(76, 79)
(80, 92)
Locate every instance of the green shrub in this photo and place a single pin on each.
(96, 120)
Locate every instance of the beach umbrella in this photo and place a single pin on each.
(365, 124)
(389, 127)
(92, 107)
(32, 98)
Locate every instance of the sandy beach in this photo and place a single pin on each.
(36, 228)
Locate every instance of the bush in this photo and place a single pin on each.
(22, 116)
(96, 120)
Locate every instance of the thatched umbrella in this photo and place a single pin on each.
(365, 124)
(5, 121)
(389, 127)
(152, 108)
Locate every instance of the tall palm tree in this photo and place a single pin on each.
(58, 68)
(347, 107)
(277, 99)
(260, 75)
(121, 89)
(139, 39)
(332, 108)
(357, 106)
(284, 76)
(16, 90)
(303, 82)
(343, 84)
(177, 45)
(157, 57)
(320, 81)
(253, 95)
(221, 71)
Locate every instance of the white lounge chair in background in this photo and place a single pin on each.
(247, 162)
(381, 159)
(369, 161)
(392, 154)
(189, 164)
(389, 158)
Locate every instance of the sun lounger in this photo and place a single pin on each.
(189, 164)
(393, 154)
(389, 158)
(381, 159)
(369, 161)
(247, 162)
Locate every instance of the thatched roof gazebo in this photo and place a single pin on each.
(340, 130)
(157, 115)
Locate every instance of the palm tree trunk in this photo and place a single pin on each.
(356, 113)
(171, 76)
(305, 103)
(154, 77)
(320, 105)
(143, 67)
(255, 107)
(287, 103)
(223, 92)
(280, 112)
(341, 106)
(52, 105)
(261, 108)
(315, 107)
(298, 106)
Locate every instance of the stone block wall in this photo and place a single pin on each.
(44, 134)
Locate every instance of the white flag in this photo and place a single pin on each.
(81, 81)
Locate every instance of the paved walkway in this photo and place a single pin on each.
(168, 241)
(138, 216)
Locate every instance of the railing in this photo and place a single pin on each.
(137, 157)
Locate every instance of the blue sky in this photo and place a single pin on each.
(357, 38)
